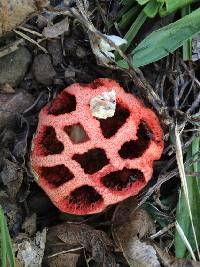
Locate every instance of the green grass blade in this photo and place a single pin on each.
(183, 219)
(184, 241)
(151, 9)
(125, 9)
(142, 2)
(135, 27)
(10, 254)
(172, 5)
(127, 2)
(6, 255)
(166, 40)
(182, 214)
(128, 17)
(3, 256)
(187, 45)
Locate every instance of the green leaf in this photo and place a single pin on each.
(187, 45)
(6, 257)
(127, 2)
(130, 35)
(128, 17)
(170, 6)
(182, 214)
(125, 9)
(142, 2)
(151, 9)
(166, 40)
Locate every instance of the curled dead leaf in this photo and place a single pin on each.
(129, 226)
(171, 261)
(60, 260)
(15, 12)
(53, 31)
(94, 241)
(30, 252)
(12, 176)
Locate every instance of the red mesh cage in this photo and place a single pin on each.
(107, 161)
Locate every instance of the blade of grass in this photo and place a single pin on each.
(183, 220)
(128, 17)
(179, 158)
(172, 5)
(125, 8)
(3, 256)
(187, 46)
(166, 40)
(142, 2)
(127, 2)
(184, 240)
(182, 214)
(135, 27)
(6, 245)
(151, 8)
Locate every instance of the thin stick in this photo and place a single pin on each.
(30, 40)
(11, 48)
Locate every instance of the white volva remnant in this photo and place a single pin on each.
(104, 51)
(103, 105)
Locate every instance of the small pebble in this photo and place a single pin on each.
(14, 66)
(43, 69)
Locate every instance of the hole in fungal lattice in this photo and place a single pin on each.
(50, 143)
(84, 196)
(56, 175)
(135, 148)
(92, 161)
(122, 179)
(76, 133)
(111, 125)
(64, 103)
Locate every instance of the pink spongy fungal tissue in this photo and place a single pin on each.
(84, 163)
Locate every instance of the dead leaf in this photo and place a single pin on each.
(53, 31)
(31, 251)
(129, 226)
(94, 241)
(29, 225)
(7, 89)
(11, 105)
(171, 261)
(12, 177)
(63, 260)
(15, 12)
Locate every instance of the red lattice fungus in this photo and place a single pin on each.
(85, 164)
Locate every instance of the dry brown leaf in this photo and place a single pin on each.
(15, 12)
(12, 177)
(63, 260)
(7, 89)
(29, 225)
(94, 241)
(31, 251)
(129, 226)
(53, 31)
(171, 261)
(13, 104)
